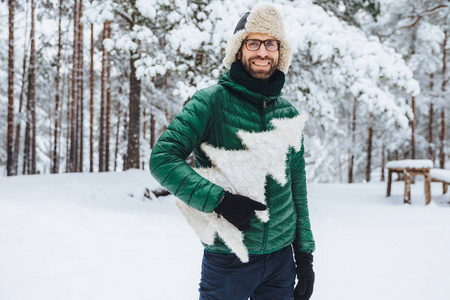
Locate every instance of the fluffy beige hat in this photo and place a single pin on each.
(263, 18)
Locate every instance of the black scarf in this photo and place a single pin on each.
(272, 87)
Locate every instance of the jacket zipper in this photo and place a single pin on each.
(263, 119)
(266, 225)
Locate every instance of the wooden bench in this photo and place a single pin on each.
(410, 168)
(441, 175)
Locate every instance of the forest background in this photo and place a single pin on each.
(88, 86)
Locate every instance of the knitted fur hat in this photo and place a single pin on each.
(263, 18)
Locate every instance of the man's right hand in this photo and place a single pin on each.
(238, 210)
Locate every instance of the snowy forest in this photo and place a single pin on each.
(89, 86)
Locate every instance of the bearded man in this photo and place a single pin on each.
(247, 97)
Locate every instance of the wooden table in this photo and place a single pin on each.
(408, 172)
(441, 175)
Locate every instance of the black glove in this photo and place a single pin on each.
(238, 210)
(305, 276)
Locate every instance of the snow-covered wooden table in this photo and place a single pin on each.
(409, 168)
(441, 175)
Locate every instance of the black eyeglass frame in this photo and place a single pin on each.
(262, 42)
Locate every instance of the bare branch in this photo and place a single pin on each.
(432, 10)
(410, 25)
(417, 17)
(126, 18)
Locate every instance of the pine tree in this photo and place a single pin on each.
(417, 30)
(116, 148)
(10, 138)
(18, 130)
(351, 148)
(80, 94)
(103, 144)
(369, 147)
(55, 156)
(108, 107)
(431, 149)
(33, 90)
(91, 102)
(77, 108)
(72, 165)
(29, 164)
(443, 90)
(133, 157)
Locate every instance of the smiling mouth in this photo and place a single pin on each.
(261, 64)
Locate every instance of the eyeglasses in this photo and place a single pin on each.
(254, 45)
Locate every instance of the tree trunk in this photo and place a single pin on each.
(134, 117)
(383, 162)
(116, 150)
(413, 128)
(125, 138)
(33, 90)
(144, 126)
(80, 81)
(77, 108)
(103, 100)
(72, 167)
(18, 129)
(69, 123)
(152, 129)
(431, 151)
(61, 112)
(442, 140)
(91, 103)
(144, 132)
(351, 156)
(101, 146)
(443, 89)
(108, 121)
(30, 129)
(369, 148)
(19, 123)
(26, 146)
(10, 137)
(108, 106)
(55, 162)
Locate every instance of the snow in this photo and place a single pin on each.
(94, 236)
(410, 163)
(147, 9)
(440, 174)
(334, 64)
(82, 236)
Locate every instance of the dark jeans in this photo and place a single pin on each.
(265, 277)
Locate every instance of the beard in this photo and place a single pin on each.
(247, 63)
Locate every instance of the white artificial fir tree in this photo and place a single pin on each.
(244, 172)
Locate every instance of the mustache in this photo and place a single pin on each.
(270, 60)
(261, 58)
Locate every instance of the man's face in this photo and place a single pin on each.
(260, 64)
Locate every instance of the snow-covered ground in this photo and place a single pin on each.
(94, 236)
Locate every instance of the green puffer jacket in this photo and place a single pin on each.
(214, 115)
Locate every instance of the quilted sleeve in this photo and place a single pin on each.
(304, 241)
(167, 161)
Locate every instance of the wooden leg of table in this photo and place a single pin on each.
(444, 187)
(389, 182)
(407, 195)
(427, 189)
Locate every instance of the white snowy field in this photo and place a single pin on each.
(94, 236)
